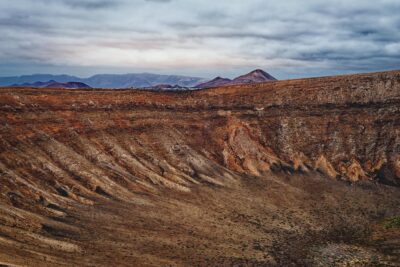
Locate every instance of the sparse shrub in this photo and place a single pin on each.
(394, 222)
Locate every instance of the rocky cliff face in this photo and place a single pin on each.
(64, 149)
(346, 127)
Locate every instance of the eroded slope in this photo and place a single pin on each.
(214, 177)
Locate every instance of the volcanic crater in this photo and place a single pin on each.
(270, 174)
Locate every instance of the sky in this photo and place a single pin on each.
(203, 38)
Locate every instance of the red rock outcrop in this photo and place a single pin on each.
(324, 166)
(244, 154)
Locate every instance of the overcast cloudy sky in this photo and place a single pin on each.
(199, 37)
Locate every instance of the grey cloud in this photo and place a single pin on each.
(286, 36)
(85, 4)
(90, 5)
(158, 1)
(21, 21)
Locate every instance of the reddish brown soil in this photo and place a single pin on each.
(255, 175)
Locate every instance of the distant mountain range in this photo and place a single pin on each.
(139, 80)
(256, 76)
(54, 84)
